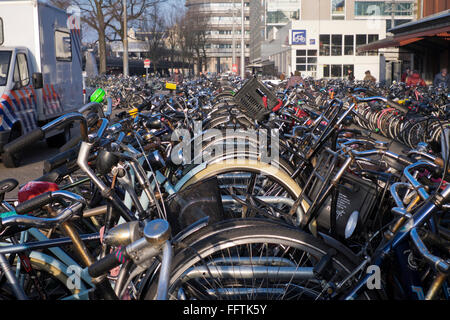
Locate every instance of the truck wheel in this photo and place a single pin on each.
(12, 160)
(59, 140)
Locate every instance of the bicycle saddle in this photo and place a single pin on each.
(7, 186)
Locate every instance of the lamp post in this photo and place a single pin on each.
(234, 36)
(242, 42)
(125, 40)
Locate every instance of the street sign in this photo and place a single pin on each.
(147, 63)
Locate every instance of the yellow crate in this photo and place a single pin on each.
(171, 86)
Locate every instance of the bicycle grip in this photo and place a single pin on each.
(105, 264)
(60, 159)
(24, 141)
(34, 203)
(75, 141)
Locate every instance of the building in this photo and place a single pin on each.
(425, 43)
(326, 49)
(427, 8)
(224, 17)
(360, 22)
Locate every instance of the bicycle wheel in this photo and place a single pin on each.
(53, 282)
(252, 259)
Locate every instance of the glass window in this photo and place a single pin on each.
(5, 57)
(326, 71)
(301, 67)
(312, 53)
(312, 60)
(361, 39)
(336, 71)
(301, 53)
(336, 45)
(348, 67)
(349, 49)
(382, 8)
(324, 44)
(63, 45)
(1, 31)
(21, 74)
(337, 9)
(372, 38)
(301, 60)
(312, 67)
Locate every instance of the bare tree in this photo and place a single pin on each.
(199, 25)
(155, 27)
(95, 14)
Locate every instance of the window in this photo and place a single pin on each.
(63, 45)
(349, 49)
(361, 39)
(372, 38)
(336, 71)
(336, 45)
(337, 9)
(326, 71)
(21, 74)
(349, 67)
(324, 44)
(5, 57)
(381, 8)
(306, 61)
(1, 31)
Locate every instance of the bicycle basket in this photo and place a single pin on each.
(250, 99)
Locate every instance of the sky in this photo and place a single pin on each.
(90, 35)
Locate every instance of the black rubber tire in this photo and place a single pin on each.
(11, 160)
(226, 235)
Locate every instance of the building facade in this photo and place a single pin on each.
(224, 17)
(360, 22)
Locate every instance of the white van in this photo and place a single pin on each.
(40, 68)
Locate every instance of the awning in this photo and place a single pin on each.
(405, 39)
(437, 25)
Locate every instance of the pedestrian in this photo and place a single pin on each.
(442, 79)
(282, 77)
(415, 80)
(296, 79)
(406, 74)
(369, 77)
(350, 75)
(178, 77)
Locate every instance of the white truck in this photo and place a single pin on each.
(40, 70)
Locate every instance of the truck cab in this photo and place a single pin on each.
(18, 93)
(40, 69)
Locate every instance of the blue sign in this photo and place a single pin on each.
(312, 41)
(298, 36)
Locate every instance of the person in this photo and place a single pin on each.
(178, 77)
(369, 77)
(442, 79)
(282, 76)
(350, 75)
(405, 75)
(294, 80)
(415, 80)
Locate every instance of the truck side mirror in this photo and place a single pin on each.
(38, 83)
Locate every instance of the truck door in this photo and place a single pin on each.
(23, 95)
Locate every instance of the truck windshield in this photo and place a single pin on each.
(5, 58)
